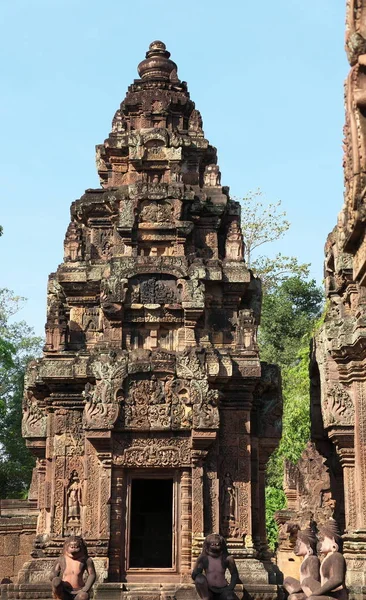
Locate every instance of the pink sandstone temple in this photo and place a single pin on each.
(150, 414)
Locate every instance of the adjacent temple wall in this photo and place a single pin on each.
(338, 374)
(312, 498)
(18, 523)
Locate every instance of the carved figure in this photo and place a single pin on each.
(72, 244)
(309, 570)
(229, 498)
(333, 567)
(234, 247)
(212, 176)
(74, 498)
(118, 125)
(209, 571)
(195, 121)
(69, 571)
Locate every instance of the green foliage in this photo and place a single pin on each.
(263, 223)
(275, 500)
(291, 306)
(20, 345)
(6, 353)
(289, 314)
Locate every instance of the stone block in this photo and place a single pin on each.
(18, 564)
(6, 567)
(26, 542)
(11, 544)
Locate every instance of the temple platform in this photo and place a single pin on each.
(138, 591)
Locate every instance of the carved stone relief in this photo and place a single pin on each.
(338, 407)
(101, 400)
(34, 418)
(150, 452)
(174, 404)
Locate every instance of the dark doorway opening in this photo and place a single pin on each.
(151, 539)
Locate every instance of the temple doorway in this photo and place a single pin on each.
(151, 524)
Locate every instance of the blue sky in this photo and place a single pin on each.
(267, 77)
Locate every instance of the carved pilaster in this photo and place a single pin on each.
(360, 456)
(118, 510)
(262, 505)
(186, 519)
(347, 459)
(235, 493)
(197, 495)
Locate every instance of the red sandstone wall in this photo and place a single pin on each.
(17, 531)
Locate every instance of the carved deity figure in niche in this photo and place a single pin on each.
(210, 568)
(228, 500)
(234, 247)
(56, 327)
(73, 573)
(212, 176)
(72, 245)
(309, 570)
(118, 125)
(74, 499)
(333, 567)
(195, 121)
(156, 213)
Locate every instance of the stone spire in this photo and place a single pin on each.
(157, 132)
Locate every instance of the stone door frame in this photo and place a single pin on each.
(135, 573)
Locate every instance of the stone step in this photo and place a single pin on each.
(145, 591)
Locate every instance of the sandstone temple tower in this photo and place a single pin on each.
(150, 414)
(339, 358)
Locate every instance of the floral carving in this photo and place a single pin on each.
(163, 452)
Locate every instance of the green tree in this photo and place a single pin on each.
(263, 223)
(289, 314)
(18, 345)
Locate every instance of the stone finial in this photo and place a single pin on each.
(157, 64)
